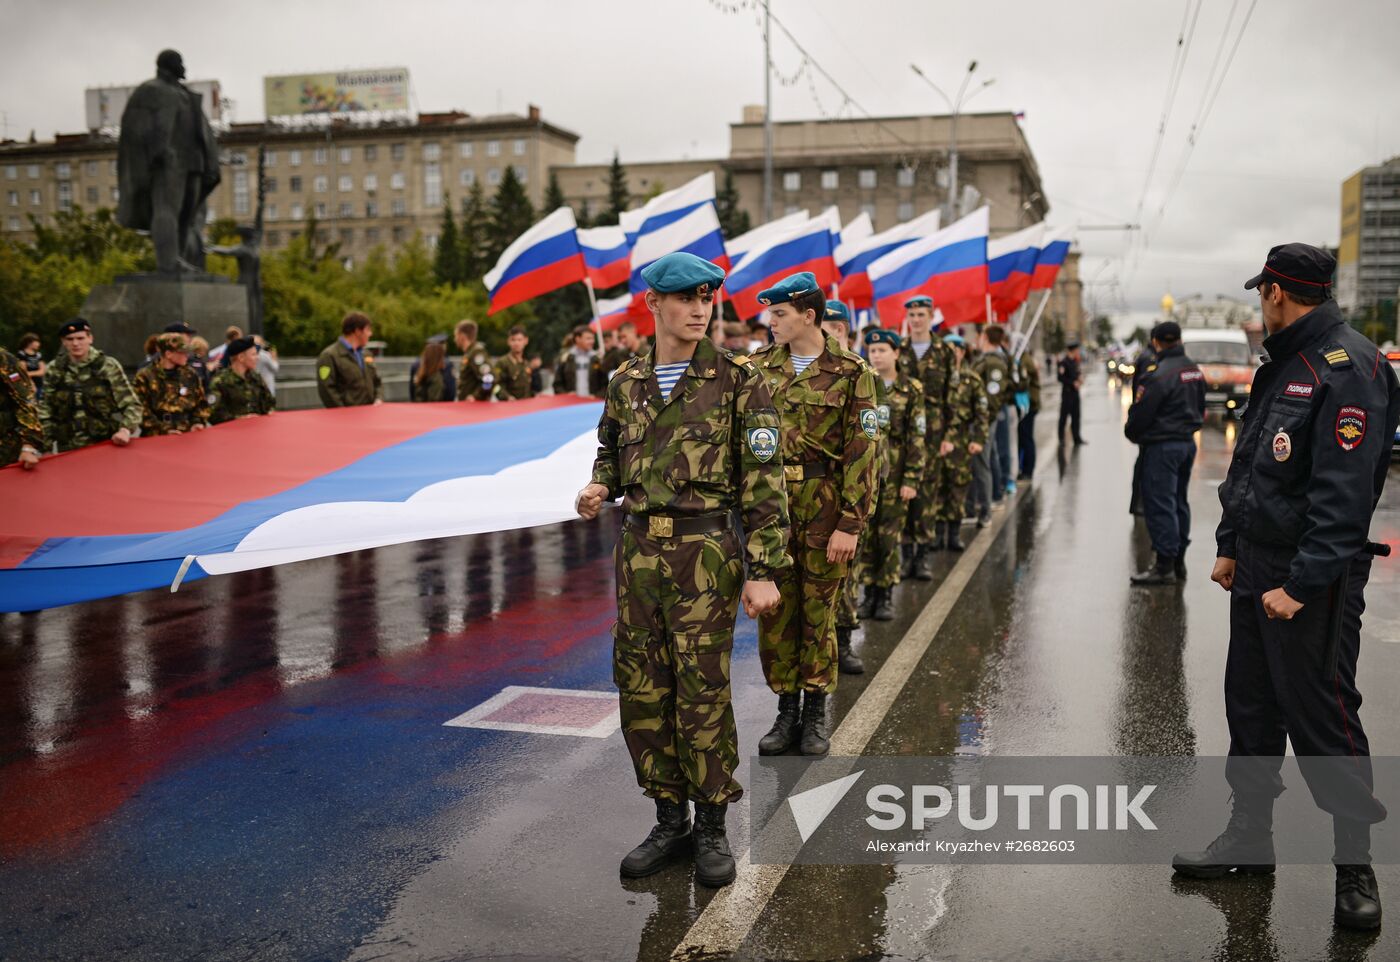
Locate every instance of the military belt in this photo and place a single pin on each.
(659, 526)
(806, 472)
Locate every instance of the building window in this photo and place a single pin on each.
(344, 155)
(521, 174)
(869, 211)
(519, 148)
(35, 198)
(63, 170)
(791, 209)
(295, 185)
(320, 211)
(240, 192)
(371, 235)
(347, 235)
(867, 178)
(905, 212)
(270, 212)
(270, 184)
(272, 238)
(319, 156)
(396, 151)
(432, 151)
(345, 183)
(238, 158)
(399, 207)
(831, 179)
(493, 148)
(322, 235)
(464, 149)
(32, 171)
(116, 194)
(371, 209)
(432, 185)
(467, 176)
(298, 212)
(210, 215)
(371, 153)
(65, 195)
(89, 168)
(396, 180)
(91, 193)
(371, 182)
(904, 177)
(12, 170)
(347, 209)
(792, 180)
(269, 158)
(398, 235)
(12, 223)
(294, 158)
(493, 176)
(320, 184)
(12, 198)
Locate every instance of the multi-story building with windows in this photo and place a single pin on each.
(1368, 259)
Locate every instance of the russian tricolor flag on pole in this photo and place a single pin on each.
(1010, 264)
(950, 266)
(854, 257)
(544, 258)
(804, 248)
(737, 247)
(857, 230)
(667, 208)
(612, 312)
(683, 219)
(607, 256)
(1054, 249)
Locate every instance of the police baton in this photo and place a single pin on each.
(1339, 601)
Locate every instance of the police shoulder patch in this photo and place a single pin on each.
(763, 443)
(1351, 426)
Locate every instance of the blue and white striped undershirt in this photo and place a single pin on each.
(800, 364)
(668, 375)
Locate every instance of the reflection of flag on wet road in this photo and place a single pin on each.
(301, 484)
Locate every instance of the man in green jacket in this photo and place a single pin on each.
(345, 374)
(237, 391)
(87, 398)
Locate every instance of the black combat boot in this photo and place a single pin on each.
(848, 660)
(714, 865)
(1162, 572)
(923, 564)
(955, 542)
(866, 611)
(784, 731)
(906, 560)
(1358, 896)
(1179, 566)
(669, 839)
(1246, 845)
(884, 605)
(814, 737)
(939, 538)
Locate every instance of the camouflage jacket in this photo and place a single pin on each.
(828, 415)
(566, 371)
(512, 378)
(994, 368)
(932, 372)
(20, 424)
(903, 424)
(967, 413)
(476, 376)
(615, 357)
(340, 380)
(173, 400)
(711, 448)
(88, 402)
(1029, 372)
(233, 395)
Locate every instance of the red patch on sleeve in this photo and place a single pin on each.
(1351, 427)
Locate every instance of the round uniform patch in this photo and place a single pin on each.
(1283, 446)
(324, 371)
(883, 410)
(870, 423)
(1351, 427)
(920, 423)
(993, 387)
(763, 442)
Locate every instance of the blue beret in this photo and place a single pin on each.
(788, 288)
(682, 273)
(837, 311)
(918, 300)
(957, 339)
(882, 335)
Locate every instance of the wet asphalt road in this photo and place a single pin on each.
(257, 767)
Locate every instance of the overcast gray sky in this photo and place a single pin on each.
(1310, 96)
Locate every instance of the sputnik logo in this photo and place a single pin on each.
(810, 808)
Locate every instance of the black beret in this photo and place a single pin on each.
(238, 345)
(179, 327)
(74, 326)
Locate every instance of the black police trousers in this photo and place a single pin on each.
(1069, 411)
(1166, 475)
(1277, 688)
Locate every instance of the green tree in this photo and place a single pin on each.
(511, 216)
(558, 311)
(1101, 330)
(554, 196)
(618, 196)
(732, 219)
(472, 234)
(447, 261)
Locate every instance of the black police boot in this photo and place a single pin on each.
(668, 839)
(784, 731)
(848, 660)
(1179, 566)
(955, 542)
(1358, 897)
(866, 611)
(884, 605)
(906, 560)
(814, 737)
(923, 564)
(714, 865)
(1246, 845)
(1162, 572)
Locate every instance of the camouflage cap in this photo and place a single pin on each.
(172, 342)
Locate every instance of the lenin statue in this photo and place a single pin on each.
(167, 164)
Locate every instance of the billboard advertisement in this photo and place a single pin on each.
(104, 105)
(339, 92)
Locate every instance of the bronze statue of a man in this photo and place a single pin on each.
(167, 165)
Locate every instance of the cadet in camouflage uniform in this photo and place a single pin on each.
(966, 417)
(994, 368)
(929, 366)
(21, 428)
(512, 372)
(826, 399)
(903, 425)
(87, 398)
(1027, 406)
(688, 438)
(477, 377)
(345, 373)
(237, 391)
(170, 391)
(567, 364)
(628, 346)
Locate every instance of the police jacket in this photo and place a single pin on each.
(1169, 402)
(1313, 450)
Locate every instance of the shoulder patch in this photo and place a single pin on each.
(1149, 369)
(1191, 374)
(1336, 356)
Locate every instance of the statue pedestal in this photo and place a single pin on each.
(135, 306)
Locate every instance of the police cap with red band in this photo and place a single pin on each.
(1299, 268)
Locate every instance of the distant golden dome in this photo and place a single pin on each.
(1168, 302)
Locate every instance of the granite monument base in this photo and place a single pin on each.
(135, 306)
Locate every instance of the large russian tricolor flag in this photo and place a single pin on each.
(1054, 249)
(857, 230)
(669, 207)
(606, 254)
(854, 257)
(613, 312)
(737, 247)
(680, 220)
(104, 520)
(544, 258)
(949, 266)
(804, 248)
(1010, 264)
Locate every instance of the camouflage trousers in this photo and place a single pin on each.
(676, 603)
(922, 513)
(879, 545)
(954, 477)
(846, 608)
(797, 640)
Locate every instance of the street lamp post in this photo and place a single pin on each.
(955, 106)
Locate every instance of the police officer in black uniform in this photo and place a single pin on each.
(1145, 359)
(1168, 407)
(1307, 472)
(1071, 378)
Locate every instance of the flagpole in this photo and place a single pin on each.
(989, 307)
(593, 303)
(1030, 331)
